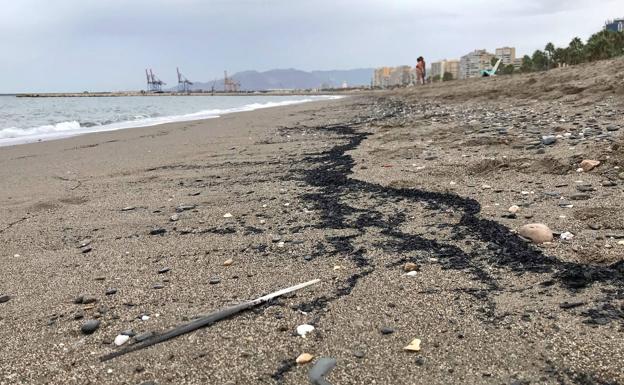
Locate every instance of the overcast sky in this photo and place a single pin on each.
(76, 45)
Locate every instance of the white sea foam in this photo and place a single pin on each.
(12, 135)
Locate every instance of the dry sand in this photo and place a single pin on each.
(354, 189)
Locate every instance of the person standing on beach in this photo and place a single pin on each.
(420, 70)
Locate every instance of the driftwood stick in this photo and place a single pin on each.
(205, 321)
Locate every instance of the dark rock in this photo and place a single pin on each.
(86, 249)
(90, 326)
(164, 270)
(4, 298)
(158, 231)
(579, 197)
(158, 286)
(214, 280)
(571, 305)
(111, 291)
(386, 330)
(129, 333)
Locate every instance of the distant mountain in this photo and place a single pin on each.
(293, 79)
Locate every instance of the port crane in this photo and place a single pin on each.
(154, 84)
(183, 83)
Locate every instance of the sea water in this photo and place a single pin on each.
(25, 120)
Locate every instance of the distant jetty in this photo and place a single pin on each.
(208, 93)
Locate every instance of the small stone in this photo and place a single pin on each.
(86, 249)
(85, 243)
(145, 317)
(87, 300)
(4, 298)
(227, 215)
(121, 339)
(537, 232)
(514, 209)
(413, 346)
(174, 218)
(486, 187)
(549, 140)
(410, 266)
(589, 164)
(129, 333)
(228, 262)
(323, 366)
(411, 273)
(304, 358)
(128, 208)
(566, 236)
(621, 175)
(594, 226)
(164, 270)
(90, 326)
(214, 280)
(181, 208)
(158, 231)
(158, 286)
(359, 354)
(579, 197)
(111, 291)
(304, 329)
(386, 330)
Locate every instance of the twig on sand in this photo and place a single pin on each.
(205, 321)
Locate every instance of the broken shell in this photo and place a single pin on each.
(413, 346)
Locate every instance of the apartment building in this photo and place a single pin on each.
(470, 65)
(616, 25)
(440, 67)
(506, 54)
(393, 76)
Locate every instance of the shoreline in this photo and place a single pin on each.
(151, 122)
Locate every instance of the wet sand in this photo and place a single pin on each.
(347, 191)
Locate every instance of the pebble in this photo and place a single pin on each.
(410, 266)
(164, 270)
(128, 208)
(537, 232)
(386, 330)
(413, 346)
(304, 329)
(589, 164)
(158, 231)
(111, 291)
(549, 140)
(174, 218)
(579, 197)
(304, 358)
(158, 286)
(4, 298)
(90, 326)
(359, 354)
(86, 249)
(228, 262)
(411, 273)
(121, 339)
(181, 208)
(227, 215)
(323, 366)
(214, 280)
(566, 236)
(514, 209)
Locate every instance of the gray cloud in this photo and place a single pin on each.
(102, 45)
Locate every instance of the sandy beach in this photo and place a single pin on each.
(133, 228)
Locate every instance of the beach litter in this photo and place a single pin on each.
(205, 321)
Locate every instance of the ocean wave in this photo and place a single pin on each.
(14, 135)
